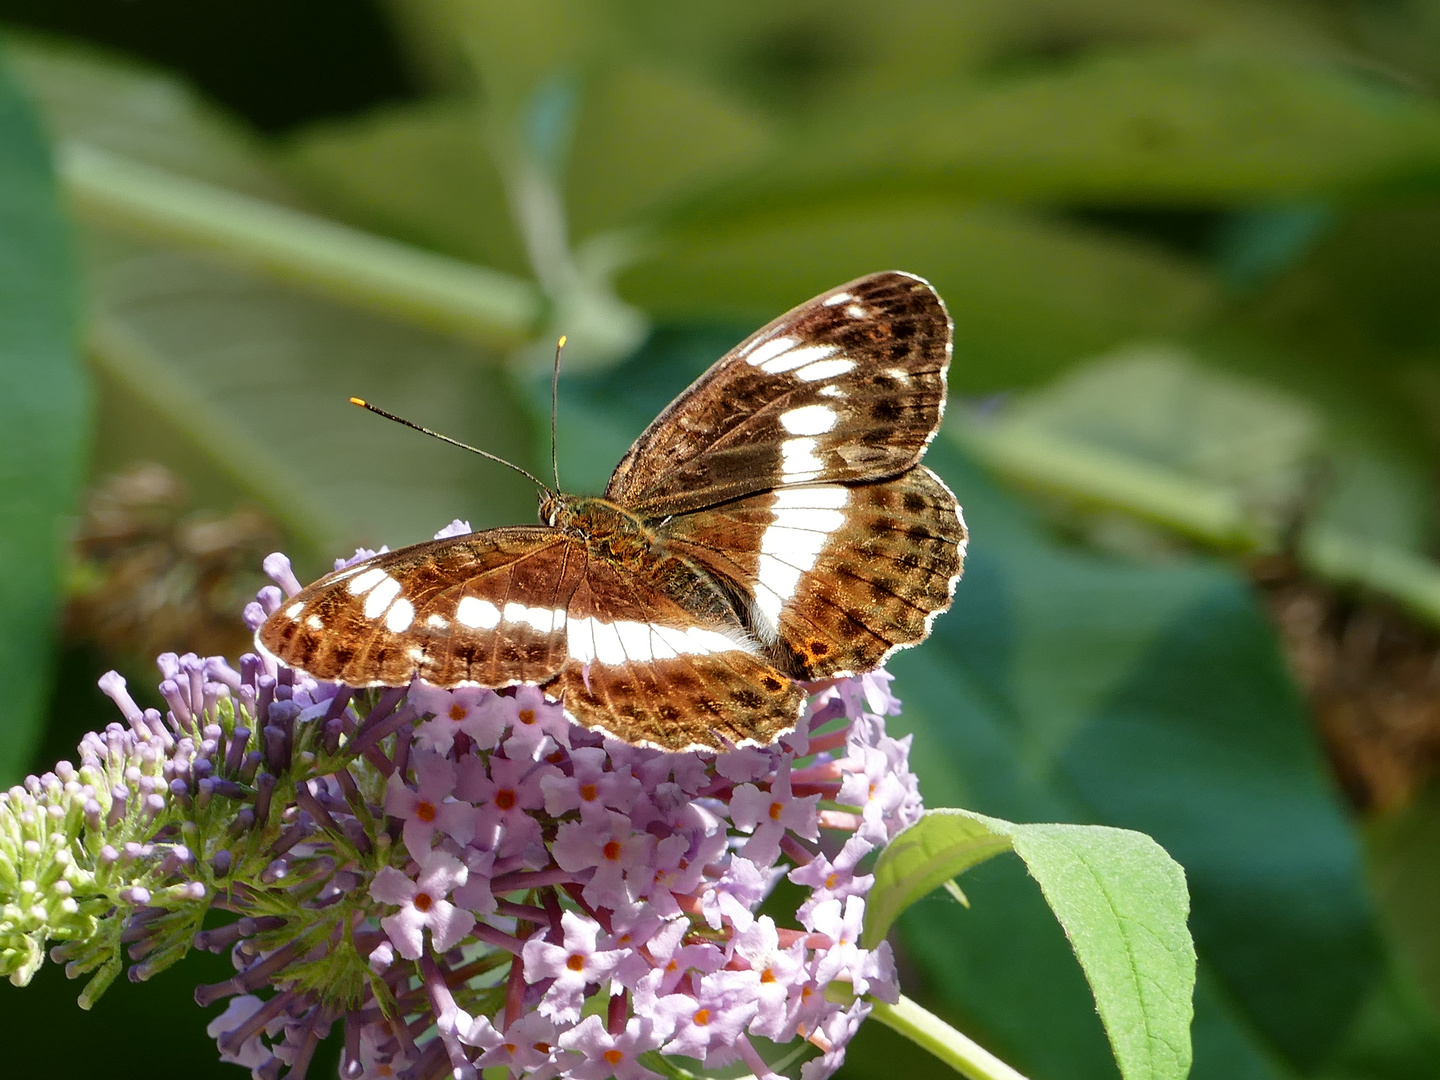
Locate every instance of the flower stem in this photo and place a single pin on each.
(925, 1029)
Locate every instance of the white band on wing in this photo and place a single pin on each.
(591, 640)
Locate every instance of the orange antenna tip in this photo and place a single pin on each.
(358, 401)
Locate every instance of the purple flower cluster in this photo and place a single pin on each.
(643, 873)
(463, 879)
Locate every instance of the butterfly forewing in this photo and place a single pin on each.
(847, 387)
(486, 609)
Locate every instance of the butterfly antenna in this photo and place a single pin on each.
(554, 408)
(453, 442)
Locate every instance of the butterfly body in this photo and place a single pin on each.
(773, 524)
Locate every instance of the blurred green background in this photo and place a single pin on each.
(1192, 252)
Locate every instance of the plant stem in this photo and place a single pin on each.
(1062, 466)
(1207, 513)
(345, 264)
(925, 1029)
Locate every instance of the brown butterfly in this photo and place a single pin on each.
(773, 524)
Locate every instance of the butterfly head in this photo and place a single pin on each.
(554, 508)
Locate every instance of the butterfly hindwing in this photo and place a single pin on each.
(651, 671)
(847, 387)
(840, 575)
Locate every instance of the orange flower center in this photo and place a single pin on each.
(588, 792)
(576, 962)
(767, 976)
(613, 1057)
(702, 1017)
(423, 902)
(776, 809)
(527, 716)
(425, 811)
(505, 798)
(457, 712)
(612, 850)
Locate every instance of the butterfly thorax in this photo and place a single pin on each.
(608, 530)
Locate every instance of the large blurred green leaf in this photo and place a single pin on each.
(804, 56)
(512, 48)
(119, 105)
(1028, 295)
(424, 172)
(43, 417)
(1161, 125)
(646, 137)
(1265, 450)
(418, 172)
(235, 378)
(1403, 851)
(255, 378)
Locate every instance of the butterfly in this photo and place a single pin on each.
(772, 526)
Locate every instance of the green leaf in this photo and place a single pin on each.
(1154, 433)
(1165, 407)
(646, 137)
(941, 846)
(248, 382)
(1402, 848)
(418, 172)
(805, 59)
(1179, 126)
(43, 420)
(1123, 905)
(424, 172)
(1120, 898)
(1028, 295)
(108, 101)
(1160, 406)
(240, 383)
